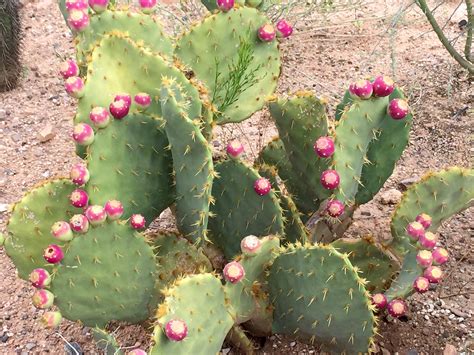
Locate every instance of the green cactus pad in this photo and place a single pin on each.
(402, 286)
(139, 27)
(129, 161)
(119, 65)
(440, 195)
(192, 163)
(319, 297)
(199, 301)
(301, 120)
(225, 53)
(243, 295)
(107, 274)
(355, 130)
(238, 210)
(376, 266)
(211, 5)
(29, 227)
(383, 153)
(274, 154)
(106, 342)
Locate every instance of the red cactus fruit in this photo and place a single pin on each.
(119, 109)
(335, 208)
(250, 245)
(324, 147)
(69, 68)
(361, 89)
(383, 86)
(424, 219)
(398, 109)
(330, 179)
(75, 5)
(100, 117)
(99, 6)
(62, 231)
(79, 174)
(421, 284)
(79, 198)
(424, 258)
(137, 221)
(397, 308)
(440, 256)
(428, 240)
(266, 33)
(379, 300)
(234, 272)
(434, 274)
(74, 87)
(176, 330)
(78, 20)
(147, 6)
(225, 5)
(96, 214)
(415, 230)
(53, 254)
(262, 186)
(142, 100)
(83, 134)
(79, 223)
(114, 209)
(51, 319)
(284, 29)
(40, 278)
(43, 299)
(234, 148)
(125, 97)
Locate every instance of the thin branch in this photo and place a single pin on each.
(470, 25)
(452, 51)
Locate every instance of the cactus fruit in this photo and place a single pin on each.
(78, 20)
(79, 198)
(114, 209)
(43, 299)
(51, 320)
(398, 109)
(379, 300)
(40, 278)
(176, 330)
(79, 174)
(98, 6)
(62, 231)
(74, 87)
(284, 29)
(76, 5)
(434, 274)
(83, 134)
(95, 215)
(142, 100)
(361, 89)
(147, 6)
(225, 5)
(69, 68)
(383, 86)
(262, 186)
(415, 230)
(234, 149)
(137, 221)
(428, 240)
(330, 179)
(440, 256)
(119, 109)
(100, 117)
(424, 258)
(324, 147)
(424, 219)
(233, 272)
(10, 44)
(335, 208)
(421, 284)
(397, 308)
(53, 254)
(79, 223)
(266, 33)
(137, 352)
(250, 245)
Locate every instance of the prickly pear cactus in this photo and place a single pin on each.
(10, 44)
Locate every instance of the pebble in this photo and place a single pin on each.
(293, 344)
(46, 133)
(4, 338)
(3, 207)
(391, 197)
(225, 351)
(30, 346)
(459, 313)
(3, 115)
(450, 350)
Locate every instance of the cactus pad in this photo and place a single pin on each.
(129, 158)
(106, 342)
(199, 301)
(238, 210)
(225, 53)
(106, 274)
(30, 223)
(319, 297)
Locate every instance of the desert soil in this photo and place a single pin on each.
(324, 55)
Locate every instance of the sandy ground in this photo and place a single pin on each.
(325, 60)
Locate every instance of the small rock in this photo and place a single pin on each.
(225, 351)
(407, 182)
(391, 197)
(3, 207)
(292, 344)
(30, 346)
(450, 350)
(46, 133)
(459, 313)
(3, 115)
(412, 352)
(4, 338)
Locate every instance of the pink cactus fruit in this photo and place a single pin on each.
(397, 308)
(250, 245)
(75, 5)
(324, 147)
(361, 89)
(424, 219)
(74, 87)
(234, 272)
(434, 274)
(335, 208)
(225, 5)
(424, 258)
(96, 214)
(415, 230)
(266, 33)
(119, 109)
(137, 221)
(99, 6)
(284, 29)
(43, 299)
(428, 240)
(176, 330)
(62, 231)
(53, 254)
(100, 117)
(83, 134)
(398, 109)
(421, 284)
(440, 256)
(137, 352)
(78, 20)
(125, 97)
(234, 148)
(114, 209)
(40, 278)
(330, 179)
(379, 300)
(262, 186)
(142, 100)
(51, 319)
(147, 6)
(69, 68)
(79, 174)
(79, 198)
(383, 86)
(79, 223)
